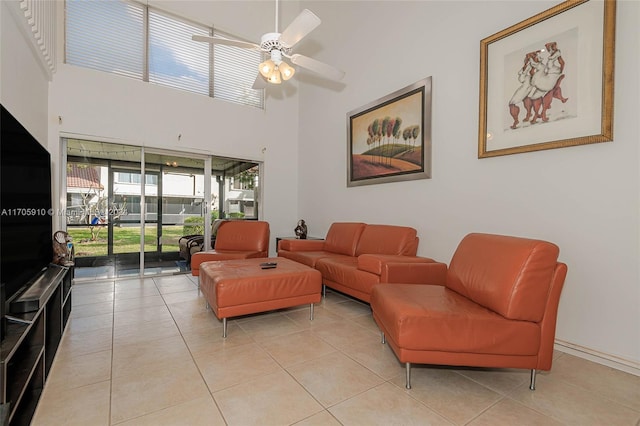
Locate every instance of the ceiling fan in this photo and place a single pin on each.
(279, 46)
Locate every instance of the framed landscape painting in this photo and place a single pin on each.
(547, 82)
(389, 140)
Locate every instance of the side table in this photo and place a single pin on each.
(294, 238)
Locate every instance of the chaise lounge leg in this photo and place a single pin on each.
(532, 385)
(324, 291)
(224, 327)
(311, 312)
(408, 364)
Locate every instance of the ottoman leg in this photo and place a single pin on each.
(532, 385)
(311, 312)
(224, 327)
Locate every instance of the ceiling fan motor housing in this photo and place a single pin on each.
(271, 41)
(280, 45)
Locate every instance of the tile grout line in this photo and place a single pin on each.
(113, 320)
(197, 289)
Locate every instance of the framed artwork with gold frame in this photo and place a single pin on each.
(547, 82)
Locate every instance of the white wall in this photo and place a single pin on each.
(23, 82)
(585, 199)
(103, 106)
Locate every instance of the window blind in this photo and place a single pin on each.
(234, 71)
(106, 36)
(110, 36)
(175, 60)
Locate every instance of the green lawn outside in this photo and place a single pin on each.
(125, 240)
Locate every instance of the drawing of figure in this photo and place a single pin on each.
(555, 63)
(539, 85)
(522, 93)
(546, 82)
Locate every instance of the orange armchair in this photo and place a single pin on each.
(494, 306)
(236, 239)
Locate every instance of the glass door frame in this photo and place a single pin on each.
(143, 204)
(113, 208)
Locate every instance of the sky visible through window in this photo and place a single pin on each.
(174, 58)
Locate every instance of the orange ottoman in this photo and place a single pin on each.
(241, 287)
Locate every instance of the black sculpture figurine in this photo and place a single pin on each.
(301, 230)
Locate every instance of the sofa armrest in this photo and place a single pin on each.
(432, 273)
(301, 245)
(376, 263)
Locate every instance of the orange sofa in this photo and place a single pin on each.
(355, 256)
(494, 306)
(235, 239)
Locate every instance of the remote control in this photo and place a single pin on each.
(268, 265)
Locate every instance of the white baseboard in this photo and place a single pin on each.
(612, 361)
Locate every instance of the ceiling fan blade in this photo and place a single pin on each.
(226, 42)
(259, 83)
(304, 23)
(326, 70)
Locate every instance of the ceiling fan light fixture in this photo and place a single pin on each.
(278, 45)
(267, 67)
(274, 77)
(286, 70)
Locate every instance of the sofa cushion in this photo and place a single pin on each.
(338, 268)
(309, 258)
(387, 239)
(517, 287)
(342, 237)
(343, 270)
(435, 318)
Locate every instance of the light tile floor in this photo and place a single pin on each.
(148, 352)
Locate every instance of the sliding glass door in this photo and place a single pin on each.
(102, 182)
(127, 207)
(175, 205)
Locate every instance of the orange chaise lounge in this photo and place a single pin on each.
(495, 306)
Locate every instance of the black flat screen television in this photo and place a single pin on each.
(25, 207)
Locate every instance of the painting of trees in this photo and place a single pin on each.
(386, 133)
(388, 137)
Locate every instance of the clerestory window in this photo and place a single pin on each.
(131, 39)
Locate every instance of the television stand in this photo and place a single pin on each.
(38, 292)
(31, 342)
